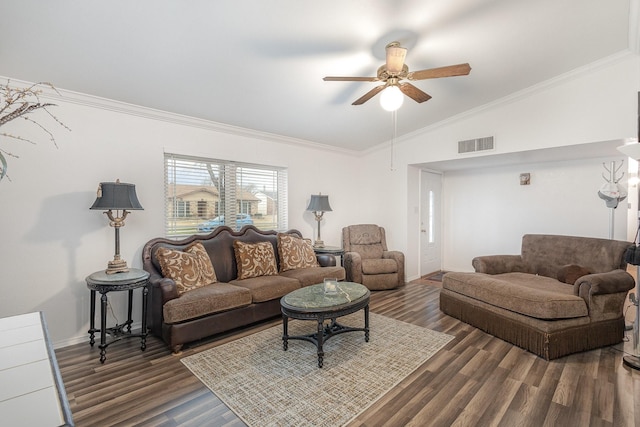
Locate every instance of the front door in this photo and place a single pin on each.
(430, 226)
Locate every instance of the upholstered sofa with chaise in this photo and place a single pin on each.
(208, 284)
(368, 261)
(561, 295)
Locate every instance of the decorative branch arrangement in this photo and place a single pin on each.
(20, 103)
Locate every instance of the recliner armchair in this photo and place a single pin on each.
(367, 259)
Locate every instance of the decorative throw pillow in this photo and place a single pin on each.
(190, 269)
(295, 252)
(255, 259)
(572, 272)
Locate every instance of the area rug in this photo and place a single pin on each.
(267, 386)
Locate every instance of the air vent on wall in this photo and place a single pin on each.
(477, 144)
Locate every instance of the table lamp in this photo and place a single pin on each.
(116, 196)
(319, 205)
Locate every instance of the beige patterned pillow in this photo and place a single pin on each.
(255, 259)
(190, 269)
(295, 252)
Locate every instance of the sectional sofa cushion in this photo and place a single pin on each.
(267, 288)
(314, 275)
(205, 301)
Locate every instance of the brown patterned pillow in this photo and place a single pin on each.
(255, 259)
(295, 252)
(190, 269)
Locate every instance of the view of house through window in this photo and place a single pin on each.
(202, 194)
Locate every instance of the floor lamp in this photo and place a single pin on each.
(633, 361)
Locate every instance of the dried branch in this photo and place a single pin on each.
(21, 103)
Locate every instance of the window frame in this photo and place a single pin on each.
(199, 189)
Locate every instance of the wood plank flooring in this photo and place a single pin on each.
(476, 380)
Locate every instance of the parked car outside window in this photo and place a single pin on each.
(208, 226)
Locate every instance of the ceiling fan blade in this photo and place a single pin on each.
(434, 73)
(350, 79)
(414, 93)
(367, 96)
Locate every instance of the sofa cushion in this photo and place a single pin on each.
(190, 269)
(255, 259)
(295, 252)
(536, 296)
(572, 272)
(314, 275)
(266, 288)
(379, 266)
(205, 300)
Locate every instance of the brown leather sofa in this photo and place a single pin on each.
(561, 295)
(230, 302)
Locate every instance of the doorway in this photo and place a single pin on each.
(430, 222)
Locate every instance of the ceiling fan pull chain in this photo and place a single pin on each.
(394, 121)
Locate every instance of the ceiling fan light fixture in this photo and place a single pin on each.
(391, 98)
(395, 57)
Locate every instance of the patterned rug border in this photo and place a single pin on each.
(245, 372)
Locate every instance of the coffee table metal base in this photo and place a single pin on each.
(324, 332)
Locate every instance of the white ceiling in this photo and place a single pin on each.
(258, 64)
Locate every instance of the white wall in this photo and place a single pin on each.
(51, 240)
(489, 210)
(597, 103)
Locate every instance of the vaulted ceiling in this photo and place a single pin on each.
(259, 64)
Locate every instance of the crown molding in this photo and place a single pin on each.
(105, 104)
(511, 98)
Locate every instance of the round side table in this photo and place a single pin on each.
(331, 250)
(104, 283)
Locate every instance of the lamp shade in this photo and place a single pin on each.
(116, 196)
(319, 203)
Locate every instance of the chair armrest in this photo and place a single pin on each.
(163, 289)
(399, 259)
(498, 264)
(326, 260)
(353, 267)
(610, 282)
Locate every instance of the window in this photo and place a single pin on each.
(202, 194)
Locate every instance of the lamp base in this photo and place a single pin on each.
(318, 244)
(117, 266)
(632, 362)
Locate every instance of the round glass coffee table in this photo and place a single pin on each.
(313, 303)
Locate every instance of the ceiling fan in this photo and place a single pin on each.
(395, 70)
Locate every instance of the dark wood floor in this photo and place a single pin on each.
(476, 380)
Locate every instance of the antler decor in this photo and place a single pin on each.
(20, 103)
